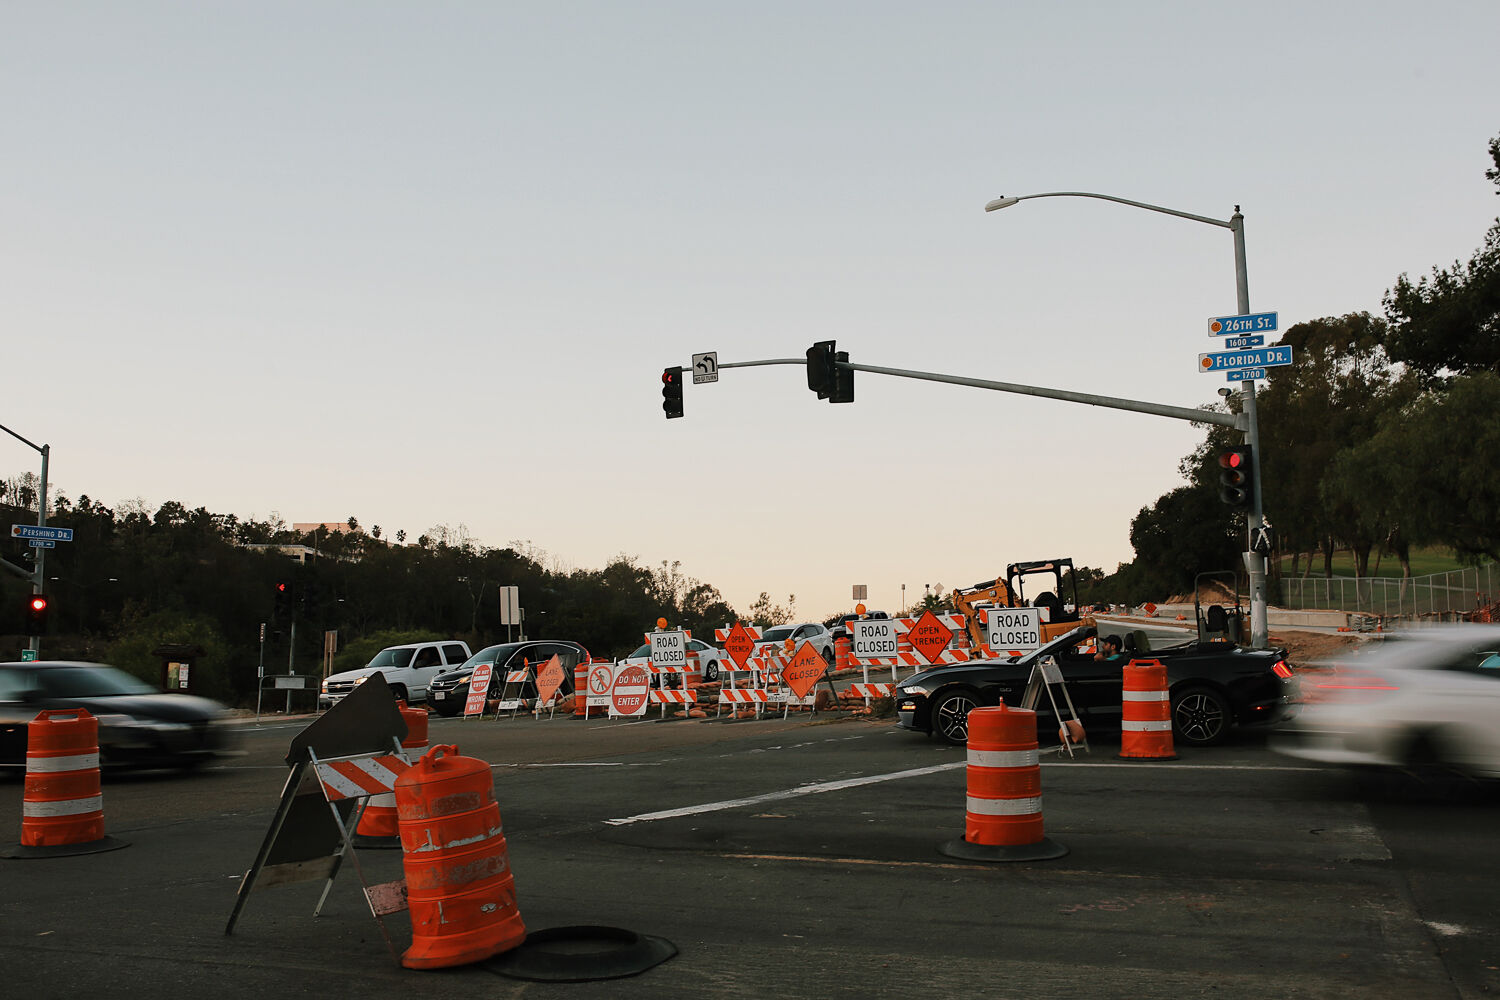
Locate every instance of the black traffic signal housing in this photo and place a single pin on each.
(843, 382)
(284, 594)
(820, 368)
(36, 614)
(671, 392)
(1237, 477)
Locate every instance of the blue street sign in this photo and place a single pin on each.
(1260, 357)
(1246, 374)
(1225, 326)
(1240, 343)
(42, 543)
(32, 531)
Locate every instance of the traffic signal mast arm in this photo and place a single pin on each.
(1238, 421)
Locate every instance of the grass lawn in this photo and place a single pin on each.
(1423, 562)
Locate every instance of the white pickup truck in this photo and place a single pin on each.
(407, 669)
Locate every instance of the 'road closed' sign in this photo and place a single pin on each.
(873, 638)
(1014, 630)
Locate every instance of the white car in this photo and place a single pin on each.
(1426, 700)
(408, 669)
(710, 658)
(817, 635)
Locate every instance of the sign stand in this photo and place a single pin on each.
(1047, 675)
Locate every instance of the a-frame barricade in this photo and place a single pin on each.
(1046, 675)
(351, 752)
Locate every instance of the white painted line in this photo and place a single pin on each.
(790, 793)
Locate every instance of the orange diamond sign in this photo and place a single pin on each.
(804, 670)
(739, 645)
(930, 637)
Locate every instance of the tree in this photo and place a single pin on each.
(1449, 322)
(1432, 462)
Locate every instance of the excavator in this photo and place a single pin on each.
(1010, 592)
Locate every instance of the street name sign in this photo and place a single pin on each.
(705, 367)
(1240, 343)
(42, 543)
(1228, 326)
(1260, 357)
(34, 531)
(1246, 374)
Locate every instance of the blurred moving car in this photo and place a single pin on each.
(139, 724)
(1213, 687)
(408, 669)
(709, 657)
(811, 632)
(1425, 701)
(449, 690)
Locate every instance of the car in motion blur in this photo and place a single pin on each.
(139, 725)
(1426, 701)
(1213, 686)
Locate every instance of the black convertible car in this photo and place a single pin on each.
(1214, 686)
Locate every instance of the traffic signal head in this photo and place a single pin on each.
(821, 372)
(671, 392)
(1236, 477)
(36, 614)
(843, 382)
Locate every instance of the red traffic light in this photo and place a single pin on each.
(281, 588)
(669, 376)
(38, 604)
(1233, 459)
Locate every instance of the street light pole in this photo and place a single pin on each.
(1255, 563)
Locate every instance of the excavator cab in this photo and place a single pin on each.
(1056, 591)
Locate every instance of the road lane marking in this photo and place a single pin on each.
(789, 793)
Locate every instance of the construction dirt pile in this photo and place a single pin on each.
(1306, 649)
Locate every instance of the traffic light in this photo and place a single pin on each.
(671, 392)
(283, 597)
(1236, 477)
(843, 382)
(36, 614)
(821, 372)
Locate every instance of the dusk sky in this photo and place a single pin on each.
(423, 264)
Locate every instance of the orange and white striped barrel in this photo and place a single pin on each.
(460, 890)
(378, 826)
(1003, 806)
(1004, 778)
(62, 802)
(1146, 712)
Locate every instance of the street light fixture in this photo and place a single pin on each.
(1254, 562)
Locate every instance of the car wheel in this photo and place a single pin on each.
(950, 716)
(399, 691)
(1200, 717)
(828, 656)
(447, 709)
(711, 671)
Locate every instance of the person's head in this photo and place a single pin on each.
(1111, 644)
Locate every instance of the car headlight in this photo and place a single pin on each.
(360, 680)
(324, 688)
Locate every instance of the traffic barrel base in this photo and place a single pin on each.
(1146, 713)
(62, 808)
(1003, 813)
(582, 955)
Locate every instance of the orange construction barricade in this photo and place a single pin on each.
(1003, 815)
(459, 886)
(62, 807)
(1146, 713)
(378, 826)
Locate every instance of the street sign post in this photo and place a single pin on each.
(1260, 357)
(1225, 326)
(49, 532)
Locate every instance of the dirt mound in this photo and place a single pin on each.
(1209, 592)
(1305, 649)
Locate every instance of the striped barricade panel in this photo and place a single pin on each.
(356, 777)
(869, 691)
(744, 696)
(674, 697)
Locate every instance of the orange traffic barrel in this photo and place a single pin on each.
(841, 648)
(378, 826)
(62, 806)
(1003, 812)
(1146, 712)
(459, 887)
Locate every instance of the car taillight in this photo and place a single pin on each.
(1282, 670)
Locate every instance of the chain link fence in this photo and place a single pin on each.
(1442, 595)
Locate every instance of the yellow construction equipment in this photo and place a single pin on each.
(1010, 592)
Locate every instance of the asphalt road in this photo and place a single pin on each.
(800, 859)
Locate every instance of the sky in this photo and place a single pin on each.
(423, 263)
